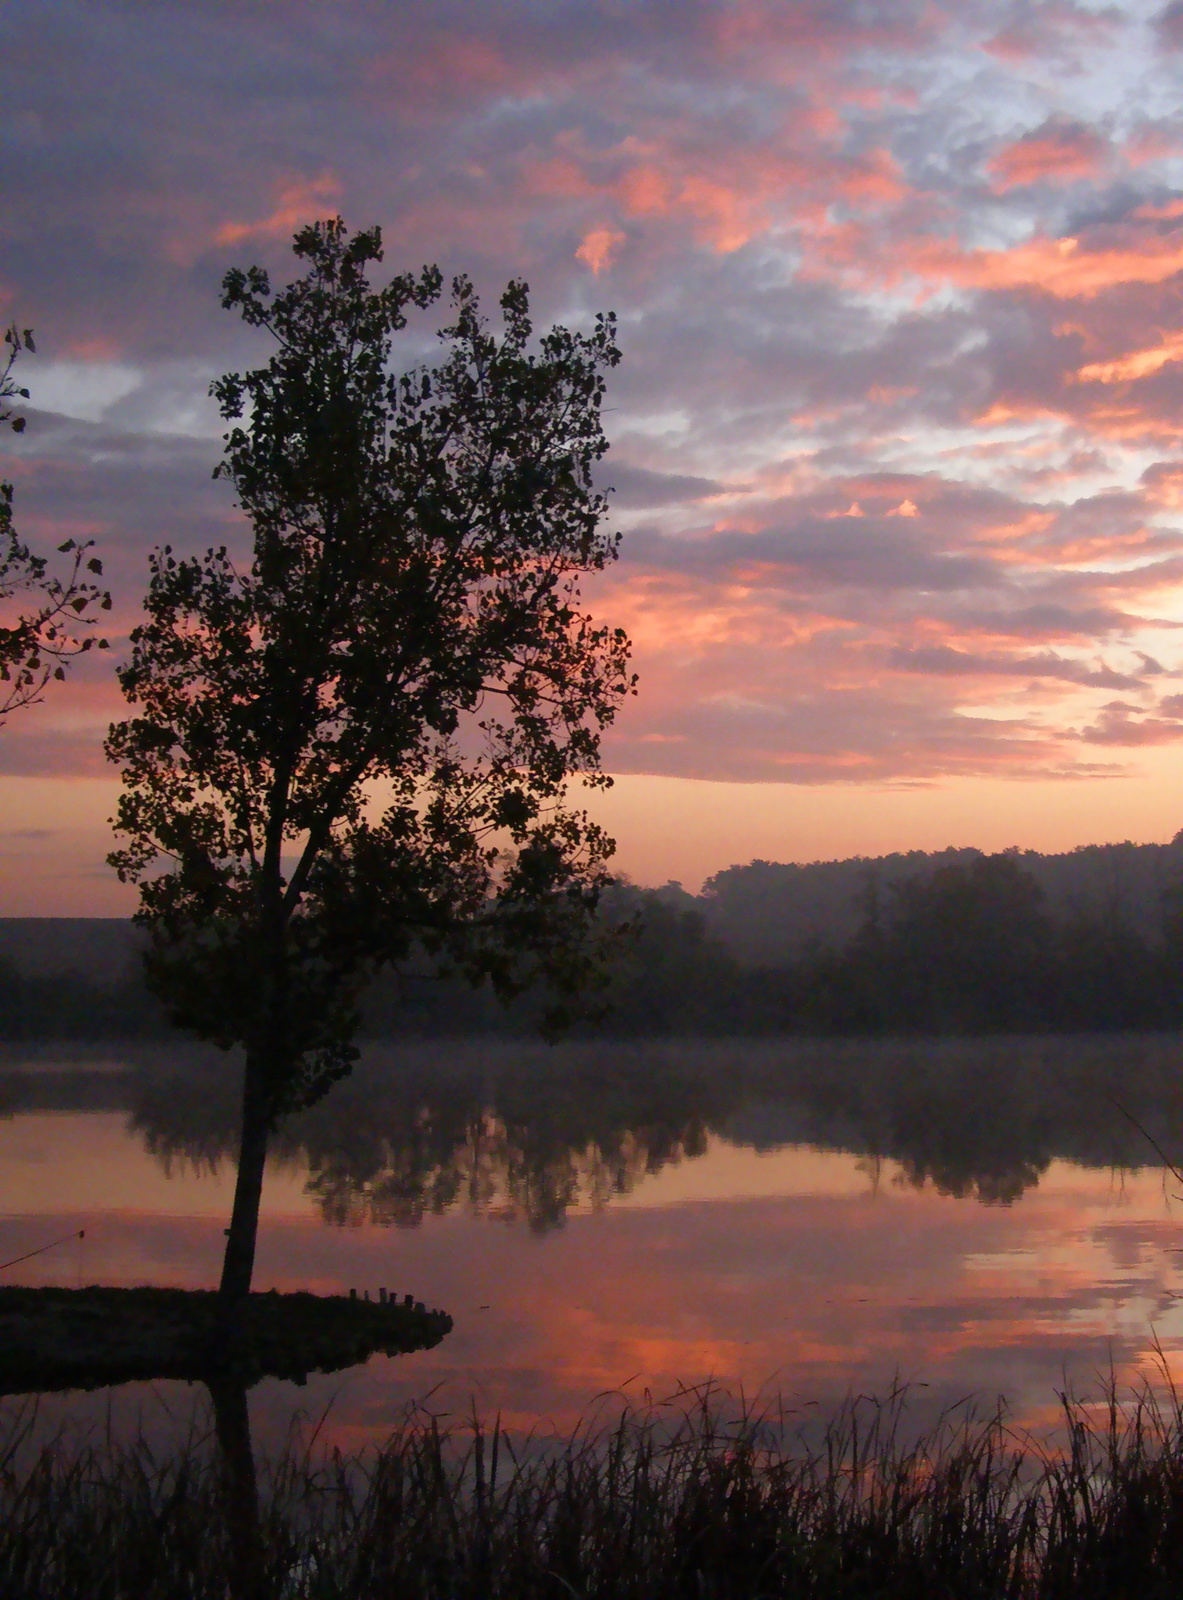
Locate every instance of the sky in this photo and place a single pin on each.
(895, 438)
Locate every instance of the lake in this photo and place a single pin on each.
(986, 1218)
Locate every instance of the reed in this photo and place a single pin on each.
(690, 1501)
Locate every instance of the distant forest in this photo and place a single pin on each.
(943, 943)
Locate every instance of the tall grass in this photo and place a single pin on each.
(690, 1505)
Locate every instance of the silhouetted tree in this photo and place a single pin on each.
(969, 944)
(360, 743)
(38, 641)
(669, 976)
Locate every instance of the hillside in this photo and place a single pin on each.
(770, 912)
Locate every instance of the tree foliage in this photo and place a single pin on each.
(359, 742)
(46, 615)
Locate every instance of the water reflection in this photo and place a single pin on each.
(220, 1490)
(528, 1134)
(414, 1134)
(240, 1488)
(978, 1217)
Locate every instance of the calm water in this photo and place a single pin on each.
(977, 1218)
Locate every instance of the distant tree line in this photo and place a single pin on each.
(969, 946)
(973, 948)
(769, 912)
(71, 1004)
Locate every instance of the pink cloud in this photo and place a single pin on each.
(1060, 151)
(1137, 364)
(829, 462)
(1063, 267)
(1122, 724)
(598, 248)
(295, 204)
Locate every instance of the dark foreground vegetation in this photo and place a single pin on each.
(642, 1509)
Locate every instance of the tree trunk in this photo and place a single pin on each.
(238, 1264)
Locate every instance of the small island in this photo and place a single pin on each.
(54, 1338)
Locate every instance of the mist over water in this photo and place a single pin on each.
(986, 1218)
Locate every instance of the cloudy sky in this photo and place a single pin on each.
(895, 440)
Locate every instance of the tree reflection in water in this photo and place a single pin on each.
(247, 1577)
(491, 1167)
(522, 1132)
(407, 1137)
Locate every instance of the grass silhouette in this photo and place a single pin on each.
(690, 1500)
